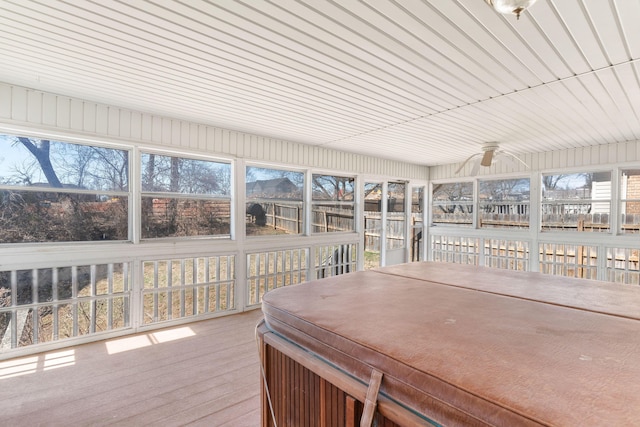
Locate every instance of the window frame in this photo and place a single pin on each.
(127, 194)
(470, 203)
(612, 200)
(183, 196)
(302, 202)
(480, 203)
(338, 203)
(622, 199)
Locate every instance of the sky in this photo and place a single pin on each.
(12, 154)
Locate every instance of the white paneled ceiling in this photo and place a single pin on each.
(422, 81)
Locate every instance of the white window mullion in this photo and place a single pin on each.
(535, 224)
(135, 196)
(383, 223)
(239, 234)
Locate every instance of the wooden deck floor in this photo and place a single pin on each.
(200, 374)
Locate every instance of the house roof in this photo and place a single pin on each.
(269, 184)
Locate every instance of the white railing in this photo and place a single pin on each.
(179, 288)
(268, 270)
(60, 305)
(597, 261)
(46, 305)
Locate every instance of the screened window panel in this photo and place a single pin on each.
(504, 203)
(576, 202)
(274, 201)
(55, 191)
(183, 197)
(333, 204)
(452, 204)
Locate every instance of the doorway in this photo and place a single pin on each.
(385, 224)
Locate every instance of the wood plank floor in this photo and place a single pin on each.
(200, 374)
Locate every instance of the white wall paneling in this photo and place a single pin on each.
(36, 109)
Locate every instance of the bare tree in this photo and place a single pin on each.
(332, 187)
(41, 151)
(454, 192)
(550, 182)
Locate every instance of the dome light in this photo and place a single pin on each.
(510, 6)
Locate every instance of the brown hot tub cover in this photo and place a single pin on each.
(464, 345)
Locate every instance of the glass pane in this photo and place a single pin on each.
(35, 162)
(62, 217)
(276, 201)
(269, 218)
(417, 199)
(372, 224)
(417, 202)
(504, 203)
(329, 187)
(173, 217)
(372, 197)
(395, 197)
(630, 206)
(274, 184)
(161, 174)
(395, 229)
(579, 201)
(329, 217)
(452, 203)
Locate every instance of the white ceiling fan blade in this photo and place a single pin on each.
(512, 157)
(487, 157)
(506, 158)
(476, 167)
(465, 162)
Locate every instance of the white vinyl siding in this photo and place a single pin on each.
(22, 106)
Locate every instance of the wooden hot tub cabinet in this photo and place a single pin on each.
(455, 345)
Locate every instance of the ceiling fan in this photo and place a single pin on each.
(490, 154)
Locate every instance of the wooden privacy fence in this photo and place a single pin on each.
(372, 227)
(326, 220)
(372, 231)
(629, 223)
(289, 218)
(395, 233)
(284, 217)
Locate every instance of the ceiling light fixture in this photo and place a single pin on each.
(491, 153)
(510, 6)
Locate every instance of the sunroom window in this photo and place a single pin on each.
(576, 202)
(396, 215)
(184, 197)
(452, 204)
(55, 191)
(417, 224)
(630, 201)
(333, 203)
(274, 201)
(504, 203)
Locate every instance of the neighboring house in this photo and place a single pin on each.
(271, 187)
(631, 191)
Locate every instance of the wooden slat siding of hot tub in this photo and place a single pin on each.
(321, 387)
(298, 389)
